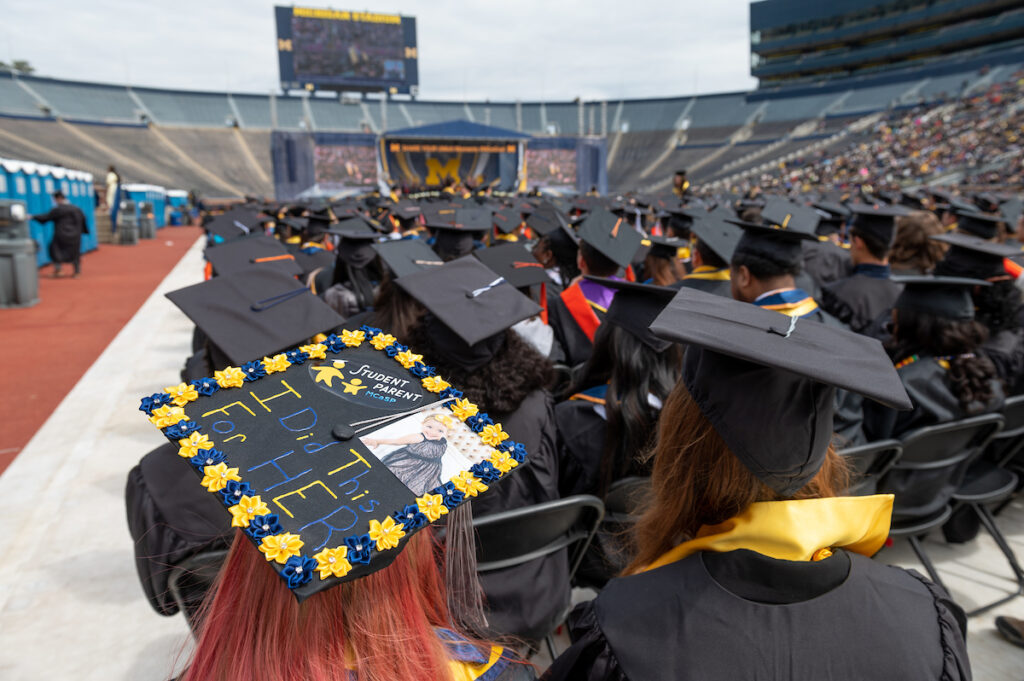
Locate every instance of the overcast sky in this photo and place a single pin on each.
(530, 49)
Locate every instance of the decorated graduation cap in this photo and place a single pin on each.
(470, 299)
(513, 262)
(766, 381)
(635, 306)
(255, 251)
(407, 256)
(972, 256)
(978, 224)
(715, 232)
(254, 312)
(876, 221)
(612, 236)
(947, 297)
(330, 456)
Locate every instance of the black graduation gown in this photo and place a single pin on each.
(524, 599)
(170, 518)
(568, 334)
(69, 225)
(826, 262)
(720, 287)
(858, 300)
(1006, 350)
(581, 436)
(741, 615)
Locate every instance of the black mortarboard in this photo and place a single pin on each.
(634, 308)
(469, 298)
(318, 221)
(789, 215)
(766, 381)
(546, 219)
(987, 202)
(259, 251)
(978, 224)
(666, 246)
(772, 242)
(972, 256)
(405, 210)
(878, 222)
(1011, 210)
(833, 217)
(254, 312)
(311, 259)
(356, 229)
(513, 262)
(298, 449)
(948, 297)
(407, 256)
(713, 230)
(614, 237)
(233, 223)
(506, 220)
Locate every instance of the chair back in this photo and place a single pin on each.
(626, 498)
(933, 464)
(1008, 443)
(868, 463)
(523, 534)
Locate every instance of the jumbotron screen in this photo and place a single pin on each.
(327, 49)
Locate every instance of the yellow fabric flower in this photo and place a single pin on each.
(246, 509)
(468, 484)
(167, 416)
(190, 446)
(386, 534)
(182, 394)
(382, 340)
(408, 358)
(353, 339)
(315, 351)
(502, 461)
(281, 547)
(319, 338)
(276, 363)
(493, 435)
(216, 477)
(435, 384)
(333, 562)
(230, 377)
(432, 506)
(463, 409)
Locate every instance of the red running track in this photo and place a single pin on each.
(86, 313)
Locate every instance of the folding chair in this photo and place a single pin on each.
(191, 579)
(607, 554)
(928, 473)
(520, 535)
(869, 463)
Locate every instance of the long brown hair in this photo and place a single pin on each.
(912, 248)
(663, 271)
(697, 481)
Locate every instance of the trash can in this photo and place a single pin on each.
(19, 273)
(147, 222)
(128, 224)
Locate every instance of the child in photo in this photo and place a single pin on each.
(418, 463)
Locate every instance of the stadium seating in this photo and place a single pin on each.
(187, 108)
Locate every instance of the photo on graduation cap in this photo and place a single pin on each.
(425, 449)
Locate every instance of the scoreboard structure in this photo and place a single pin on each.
(327, 49)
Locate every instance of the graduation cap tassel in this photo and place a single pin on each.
(267, 303)
(484, 289)
(465, 596)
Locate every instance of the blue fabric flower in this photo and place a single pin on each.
(298, 571)
(205, 386)
(477, 422)
(181, 429)
(451, 392)
(253, 370)
(394, 349)
(410, 518)
(517, 450)
(359, 547)
(486, 471)
(153, 401)
(234, 491)
(264, 526)
(370, 331)
(297, 356)
(422, 370)
(451, 495)
(208, 457)
(334, 343)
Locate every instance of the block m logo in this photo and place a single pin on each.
(436, 172)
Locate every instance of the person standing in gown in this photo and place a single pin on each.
(69, 225)
(113, 195)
